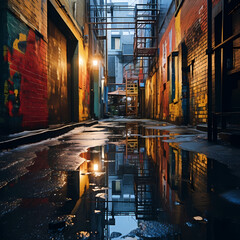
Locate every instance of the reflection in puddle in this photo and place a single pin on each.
(155, 190)
(140, 185)
(152, 189)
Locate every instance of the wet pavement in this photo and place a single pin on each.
(121, 179)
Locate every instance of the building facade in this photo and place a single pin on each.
(178, 91)
(120, 42)
(45, 63)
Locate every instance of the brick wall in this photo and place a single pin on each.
(188, 30)
(25, 66)
(166, 46)
(32, 12)
(194, 37)
(3, 63)
(24, 83)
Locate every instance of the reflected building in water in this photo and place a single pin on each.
(144, 177)
(130, 181)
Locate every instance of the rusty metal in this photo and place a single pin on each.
(145, 43)
(111, 28)
(111, 23)
(131, 81)
(110, 17)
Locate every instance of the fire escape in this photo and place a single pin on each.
(144, 22)
(144, 179)
(145, 188)
(145, 44)
(144, 192)
(145, 49)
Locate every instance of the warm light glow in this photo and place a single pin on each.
(80, 61)
(95, 63)
(95, 167)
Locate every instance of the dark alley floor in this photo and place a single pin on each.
(121, 179)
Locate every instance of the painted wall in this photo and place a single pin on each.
(151, 96)
(36, 64)
(182, 88)
(148, 98)
(24, 82)
(32, 12)
(166, 46)
(194, 40)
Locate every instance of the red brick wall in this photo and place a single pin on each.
(164, 84)
(189, 31)
(25, 88)
(32, 12)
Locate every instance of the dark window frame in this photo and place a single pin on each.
(114, 190)
(113, 47)
(178, 5)
(171, 74)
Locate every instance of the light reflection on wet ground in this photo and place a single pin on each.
(117, 181)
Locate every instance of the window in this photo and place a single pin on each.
(115, 43)
(172, 75)
(169, 68)
(116, 187)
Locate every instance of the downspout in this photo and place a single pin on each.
(209, 81)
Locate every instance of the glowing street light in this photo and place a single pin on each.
(95, 63)
(80, 61)
(95, 167)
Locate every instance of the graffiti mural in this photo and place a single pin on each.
(34, 12)
(12, 98)
(25, 78)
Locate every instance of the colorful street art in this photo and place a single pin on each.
(25, 79)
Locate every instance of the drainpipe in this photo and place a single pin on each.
(209, 81)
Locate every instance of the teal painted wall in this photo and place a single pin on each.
(96, 93)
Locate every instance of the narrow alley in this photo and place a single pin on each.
(121, 179)
(120, 119)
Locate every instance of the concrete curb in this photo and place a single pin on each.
(45, 134)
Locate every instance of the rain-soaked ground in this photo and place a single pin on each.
(118, 180)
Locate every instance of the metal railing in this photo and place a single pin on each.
(223, 121)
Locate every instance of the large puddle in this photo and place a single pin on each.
(138, 185)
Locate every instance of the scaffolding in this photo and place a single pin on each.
(131, 81)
